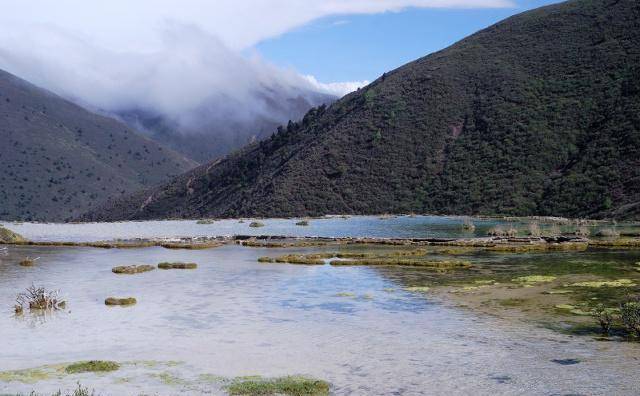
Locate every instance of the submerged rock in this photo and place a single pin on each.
(256, 224)
(120, 301)
(166, 266)
(132, 269)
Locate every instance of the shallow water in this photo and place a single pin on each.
(356, 226)
(235, 317)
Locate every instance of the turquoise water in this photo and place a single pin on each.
(356, 226)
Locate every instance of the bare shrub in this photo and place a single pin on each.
(608, 233)
(38, 298)
(534, 229)
(468, 225)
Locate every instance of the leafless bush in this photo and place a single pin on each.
(534, 229)
(468, 225)
(38, 298)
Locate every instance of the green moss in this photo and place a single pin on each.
(291, 386)
(132, 269)
(120, 301)
(178, 265)
(92, 366)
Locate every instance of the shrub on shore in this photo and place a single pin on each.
(8, 236)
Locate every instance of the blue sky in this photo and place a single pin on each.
(361, 47)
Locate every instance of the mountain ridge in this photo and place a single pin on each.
(59, 159)
(535, 115)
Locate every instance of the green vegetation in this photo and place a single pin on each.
(290, 386)
(96, 366)
(302, 223)
(126, 301)
(166, 266)
(132, 269)
(8, 236)
(630, 316)
(256, 224)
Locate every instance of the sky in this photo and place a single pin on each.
(183, 58)
(362, 47)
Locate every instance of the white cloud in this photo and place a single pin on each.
(166, 55)
(336, 88)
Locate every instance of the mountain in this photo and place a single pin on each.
(536, 115)
(59, 160)
(211, 132)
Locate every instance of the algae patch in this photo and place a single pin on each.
(94, 366)
(535, 279)
(598, 284)
(290, 385)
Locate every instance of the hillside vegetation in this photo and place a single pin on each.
(58, 160)
(536, 115)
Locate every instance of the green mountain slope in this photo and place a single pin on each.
(58, 160)
(538, 114)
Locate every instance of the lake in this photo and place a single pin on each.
(357, 327)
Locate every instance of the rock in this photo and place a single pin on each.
(256, 224)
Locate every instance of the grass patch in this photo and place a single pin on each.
(290, 386)
(93, 366)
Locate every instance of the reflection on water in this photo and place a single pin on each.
(353, 326)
